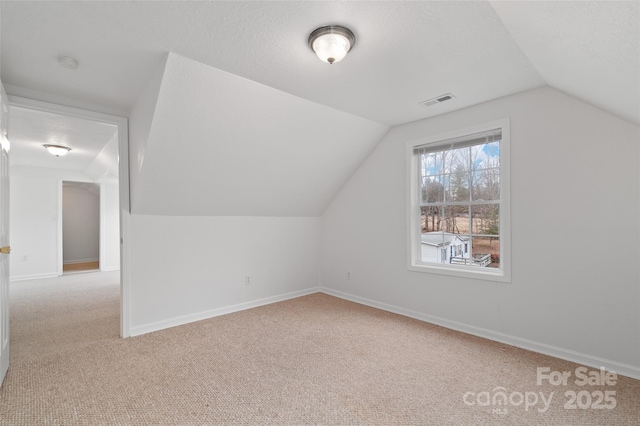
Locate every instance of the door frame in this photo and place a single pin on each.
(123, 182)
(5, 338)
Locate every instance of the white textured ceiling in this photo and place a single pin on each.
(30, 129)
(406, 52)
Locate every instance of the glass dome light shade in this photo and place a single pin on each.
(331, 43)
(57, 150)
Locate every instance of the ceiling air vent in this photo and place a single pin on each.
(437, 100)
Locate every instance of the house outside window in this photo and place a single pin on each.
(458, 203)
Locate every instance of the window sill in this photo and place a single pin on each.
(485, 274)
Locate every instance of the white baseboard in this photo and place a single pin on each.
(33, 276)
(109, 268)
(557, 352)
(185, 319)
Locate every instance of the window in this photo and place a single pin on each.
(458, 206)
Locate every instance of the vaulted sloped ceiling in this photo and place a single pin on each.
(219, 144)
(241, 118)
(406, 51)
(590, 50)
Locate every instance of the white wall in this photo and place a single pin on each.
(80, 224)
(240, 197)
(34, 227)
(185, 269)
(109, 227)
(35, 205)
(574, 197)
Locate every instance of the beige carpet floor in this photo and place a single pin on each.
(312, 360)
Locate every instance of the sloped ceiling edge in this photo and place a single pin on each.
(590, 50)
(222, 145)
(140, 122)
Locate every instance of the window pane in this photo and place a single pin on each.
(431, 218)
(486, 185)
(485, 219)
(485, 251)
(461, 214)
(432, 163)
(433, 248)
(432, 189)
(456, 160)
(485, 156)
(449, 220)
(456, 219)
(458, 185)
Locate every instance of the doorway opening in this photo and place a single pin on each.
(96, 167)
(80, 227)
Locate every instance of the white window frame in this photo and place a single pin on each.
(502, 274)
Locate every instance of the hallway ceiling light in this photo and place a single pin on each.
(57, 150)
(331, 43)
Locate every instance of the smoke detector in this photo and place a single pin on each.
(68, 62)
(437, 100)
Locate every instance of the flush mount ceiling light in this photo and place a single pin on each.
(331, 43)
(68, 62)
(57, 150)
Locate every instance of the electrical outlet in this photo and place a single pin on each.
(247, 280)
(348, 275)
(25, 258)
